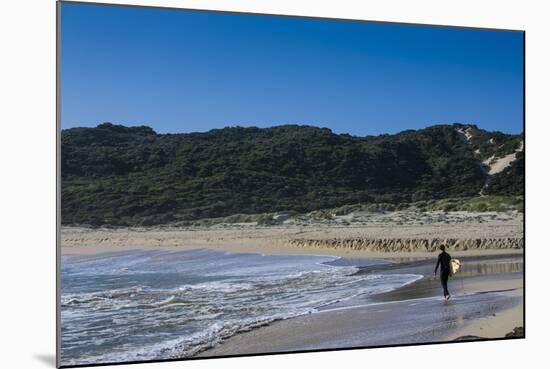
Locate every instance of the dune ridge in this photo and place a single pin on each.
(410, 245)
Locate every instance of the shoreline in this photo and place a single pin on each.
(498, 325)
(487, 302)
(487, 306)
(487, 297)
(289, 250)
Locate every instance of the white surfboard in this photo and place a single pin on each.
(455, 266)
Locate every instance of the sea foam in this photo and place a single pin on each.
(158, 304)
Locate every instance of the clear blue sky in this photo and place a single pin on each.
(185, 71)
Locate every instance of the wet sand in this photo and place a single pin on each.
(487, 301)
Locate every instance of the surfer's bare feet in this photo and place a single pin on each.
(447, 297)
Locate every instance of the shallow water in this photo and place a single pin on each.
(416, 313)
(158, 304)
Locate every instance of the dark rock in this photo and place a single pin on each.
(517, 332)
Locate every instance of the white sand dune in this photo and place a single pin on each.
(497, 165)
(492, 165)
(465, 134)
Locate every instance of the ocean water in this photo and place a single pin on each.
(160, 304)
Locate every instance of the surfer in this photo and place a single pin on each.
(444, 260)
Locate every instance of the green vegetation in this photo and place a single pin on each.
(260, 219)
(495, 144)
(473, 204)
(116, 175)
(511, 180)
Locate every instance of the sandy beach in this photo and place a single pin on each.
(394, 234)
(487, 294)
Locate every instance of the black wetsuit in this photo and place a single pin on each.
(444, 260)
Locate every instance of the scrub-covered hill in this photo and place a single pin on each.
(118, 175)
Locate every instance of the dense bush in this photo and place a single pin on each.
(511, 180)
(119, 175)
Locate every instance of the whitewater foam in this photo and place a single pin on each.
(176, 304)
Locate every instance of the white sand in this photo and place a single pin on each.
(464, 134)
(497, 165)
(503, 322)
(281, 239)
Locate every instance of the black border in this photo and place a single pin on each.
(58, 184)
(524, 181)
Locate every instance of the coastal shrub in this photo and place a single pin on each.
(480, 207)
(265, 219)
(118, 175)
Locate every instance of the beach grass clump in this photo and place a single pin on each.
(231, 219)
(480, 204)
(472, 204)
(475, 204)
(258, 219)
